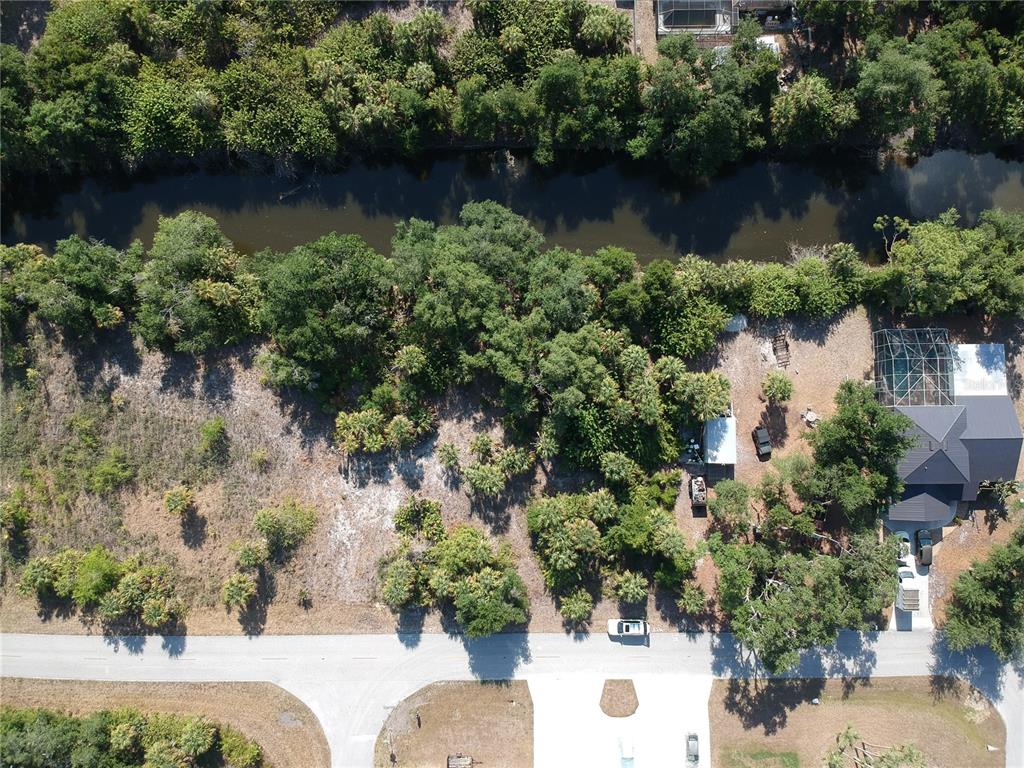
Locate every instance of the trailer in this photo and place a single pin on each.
(698, 491)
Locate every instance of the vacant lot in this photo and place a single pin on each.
(283, 726)
(153, 405)
(491, 722)
(775, 725)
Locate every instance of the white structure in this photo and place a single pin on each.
(720, 441)
(979, 369)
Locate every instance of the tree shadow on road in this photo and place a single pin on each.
(979, 666)
(497, 657)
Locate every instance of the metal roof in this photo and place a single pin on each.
(720, 440)
(935, 504)
(938, 456)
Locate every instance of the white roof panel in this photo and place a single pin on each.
(720, 441)
(979, 369)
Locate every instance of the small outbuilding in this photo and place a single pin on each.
(720, 441)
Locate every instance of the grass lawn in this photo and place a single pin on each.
(492, 722)
(775, 725)
(762, 759)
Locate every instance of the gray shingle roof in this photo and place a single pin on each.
(938, 456)
(925, 504)
(993, 439)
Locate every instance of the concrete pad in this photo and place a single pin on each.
(570, 728)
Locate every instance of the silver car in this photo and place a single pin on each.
(692, 749)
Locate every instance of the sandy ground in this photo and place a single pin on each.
(491, 722)
(284, 727)
(948, 721)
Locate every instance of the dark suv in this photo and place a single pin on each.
(762, 441)
(924, 546)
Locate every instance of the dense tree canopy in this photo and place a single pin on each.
(42, 738)
(115, 82)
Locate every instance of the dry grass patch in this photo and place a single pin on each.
(618, 698)
(775, 725)
(283, 726)
(492, 722)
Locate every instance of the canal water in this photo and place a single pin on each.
(753, 212)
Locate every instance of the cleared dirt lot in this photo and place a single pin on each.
(776, 726)
(283, 726)
(492, 722)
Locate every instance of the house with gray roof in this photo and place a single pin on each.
(965, 427)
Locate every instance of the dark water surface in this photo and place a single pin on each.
(753, 212)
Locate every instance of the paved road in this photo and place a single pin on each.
(351, 681)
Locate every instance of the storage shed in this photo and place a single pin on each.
(720, 441)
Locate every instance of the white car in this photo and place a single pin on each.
(627, 627)
(905, 574)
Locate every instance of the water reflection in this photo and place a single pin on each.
(753, 212)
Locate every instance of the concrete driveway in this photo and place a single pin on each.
(905, 621)
(571, 729)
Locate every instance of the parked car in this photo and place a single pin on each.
(627, 627)
(924, 547)
(903, 556)
(905, 574)
(692, 749)
(762, 441)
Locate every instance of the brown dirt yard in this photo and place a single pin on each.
(492, 722)
(283, 726)
(778, 727)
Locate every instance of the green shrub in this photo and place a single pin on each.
(214, 443)
(730, 505)
(98, 572)
(514, 462)
(692, 600)
(238, 590)
(286, 525)
(485, 479)
(420, 516)
(253, 554)
(777, 387)
(260, 459)
(38, 577)
(179, 501)
(631, 587)
(398, 583)
(481, 446)
(15, 516)
(448, 455)
(112, 471)
(144, 593)
(577, 606)
(238, 751)
(619, 469)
